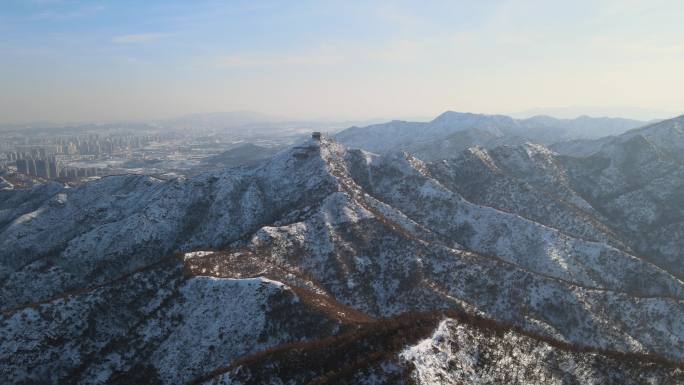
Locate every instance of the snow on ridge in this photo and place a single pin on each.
(196, 254)
(229, 283)
(458, 353)
(338, 208)
(430, 355)
(217, 313)
(482, 154)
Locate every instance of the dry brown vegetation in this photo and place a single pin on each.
(335, 360)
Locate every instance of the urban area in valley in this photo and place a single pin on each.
(72, 154)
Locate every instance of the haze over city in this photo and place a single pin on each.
(76, 61)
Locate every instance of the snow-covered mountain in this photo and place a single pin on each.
(668, 135)
(326, 264)
(451, 132)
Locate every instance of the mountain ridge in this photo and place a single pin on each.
(353, 235)
(464, 130)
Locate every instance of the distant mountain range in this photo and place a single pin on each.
(570, 112)
(452, 132)
(326, 264)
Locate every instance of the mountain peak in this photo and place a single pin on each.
(448, 115)
(458, 117)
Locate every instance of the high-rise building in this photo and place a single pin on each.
(54, 168)
(22, 166)
(42, 168)
(31, 166)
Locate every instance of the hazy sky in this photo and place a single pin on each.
(70, 60)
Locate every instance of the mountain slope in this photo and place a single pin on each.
(156, 324)
(441, 349)
(318, 242)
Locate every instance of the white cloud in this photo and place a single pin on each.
(137, 38)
